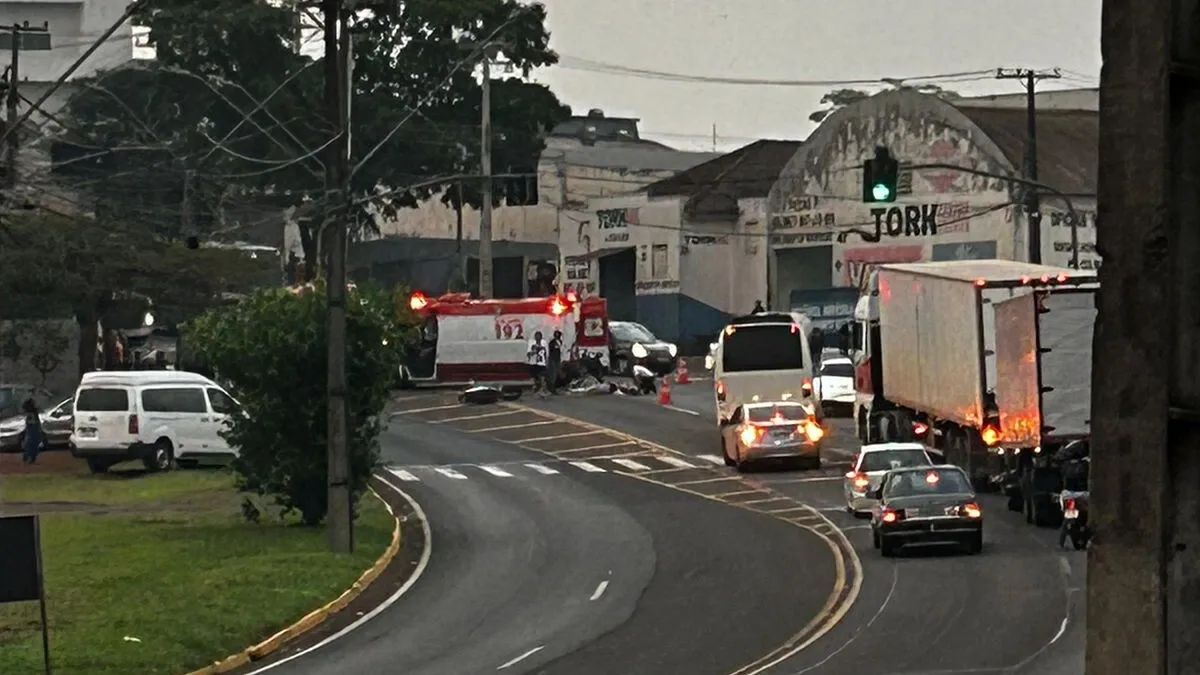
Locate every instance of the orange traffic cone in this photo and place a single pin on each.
(664, 391)
(681, 373)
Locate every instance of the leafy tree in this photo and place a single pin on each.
(271, 347)
(217, 59)
(840, 98)
(52, 267)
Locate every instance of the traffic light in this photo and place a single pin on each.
(880, 176)
(989, 431)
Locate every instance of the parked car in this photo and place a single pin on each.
(57, 423)
(632, 344)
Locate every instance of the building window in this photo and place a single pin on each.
(659, 268)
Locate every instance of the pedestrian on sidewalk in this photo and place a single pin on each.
(32, 442)
(554, 361)
(536, 356)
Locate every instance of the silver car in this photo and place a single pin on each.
(778, 431)
(57, 424)
(869, 467)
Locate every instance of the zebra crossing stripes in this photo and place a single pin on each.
(458, 472)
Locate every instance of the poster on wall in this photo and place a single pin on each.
(858, 262)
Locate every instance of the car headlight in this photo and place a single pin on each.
(672, 349)
(638, 351)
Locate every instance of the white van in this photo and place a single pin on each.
(160, 417)
(764, 358)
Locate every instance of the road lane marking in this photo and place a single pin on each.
(405, 476)
(591, 447)
(414, 411)
(512, 426)
(450, 473)
(674, 461)
(725, 495)
(417, 573)
(631, 465)
(599, 591)
(756, 502)
(522, 657)
(476, 417)
(558, 436)
(702, 481)
(682, 410)
(588, 467)
(542, 469)
(719, 461)
(501, 473)
(809, 479)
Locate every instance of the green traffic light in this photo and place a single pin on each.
(881, 192)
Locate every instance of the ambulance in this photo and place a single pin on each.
(485, 341)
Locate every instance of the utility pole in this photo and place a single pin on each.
(485, 160)
(17, 39)
(1144, 561)
(338, 62)
(1033, 207)
(459, 282)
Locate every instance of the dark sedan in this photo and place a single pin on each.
(633, 344)
(925, 505)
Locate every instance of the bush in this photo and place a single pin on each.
(270, 349)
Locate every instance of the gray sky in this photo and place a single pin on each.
(798, 40)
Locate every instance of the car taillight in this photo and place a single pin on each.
(1070, 504)
(972, 510)
(806, 386)
(750, 435)
(920, 428)
(861, 482)
(133, 424)
(889, 516)
(720, 391)
(811, 430)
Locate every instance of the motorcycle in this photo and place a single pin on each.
(1075, 519)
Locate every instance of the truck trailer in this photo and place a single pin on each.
(929, 365)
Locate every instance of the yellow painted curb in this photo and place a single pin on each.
(317, 616)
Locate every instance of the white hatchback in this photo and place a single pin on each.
(870, 466)
(834, 385)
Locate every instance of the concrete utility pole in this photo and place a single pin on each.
(485, 169)
(1143, 601)
(338, 62)
(1033, 207)
(17, 44)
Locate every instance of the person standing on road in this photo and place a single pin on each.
(31, 443)
(536, 356)
(554, 361)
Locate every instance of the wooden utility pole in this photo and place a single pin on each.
(485, 160)
(1033, 207)
(39, 40)
(1143, 601)
(338, 61)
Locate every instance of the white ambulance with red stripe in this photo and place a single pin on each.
(463, 340)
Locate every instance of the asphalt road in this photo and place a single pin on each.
(539, 566)
(1017, 608)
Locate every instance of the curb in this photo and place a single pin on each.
(317, 616)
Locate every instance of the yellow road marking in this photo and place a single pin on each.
(589, 448)
(712, 480)
(510, 426)
(422, 410)
(477, 417)
(726, 495)
(554, 438)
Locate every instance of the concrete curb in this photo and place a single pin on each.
(317, 616)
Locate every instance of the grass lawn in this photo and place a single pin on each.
(165, 577)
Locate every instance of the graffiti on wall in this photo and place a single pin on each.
(803, 212)
(857, 263)
(967, 250)
(577, 275)
(614, 223)
(793, 239)
(658, 286)
(705, 240)
(920, 220)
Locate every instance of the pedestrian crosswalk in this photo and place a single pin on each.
(648, 463)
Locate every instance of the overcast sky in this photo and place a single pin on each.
(797, 40)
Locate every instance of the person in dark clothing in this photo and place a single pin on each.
(554, 361)
(34, 438)
(758, 307)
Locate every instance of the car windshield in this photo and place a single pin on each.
(837, 370)
(786, 412)
(885, 460)
(632, 332)
(932, 482)
(763, 347)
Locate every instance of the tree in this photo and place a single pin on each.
(840, 98)
(54, 267)
(271, 348)
(415, 107)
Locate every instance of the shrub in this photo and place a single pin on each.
(270, 348)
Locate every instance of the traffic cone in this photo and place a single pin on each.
(681, 373)
(664, 392)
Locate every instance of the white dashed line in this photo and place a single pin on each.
(587, 466)
(542, 469)
(451, 473)
(501, 473)
(522, 657)
(404, 475)
(674, 461)
(713, 459)
(631, 465)
(599, 591)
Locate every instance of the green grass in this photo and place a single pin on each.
(190, 587)
(116, 488)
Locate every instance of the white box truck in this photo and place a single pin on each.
(925, 349)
